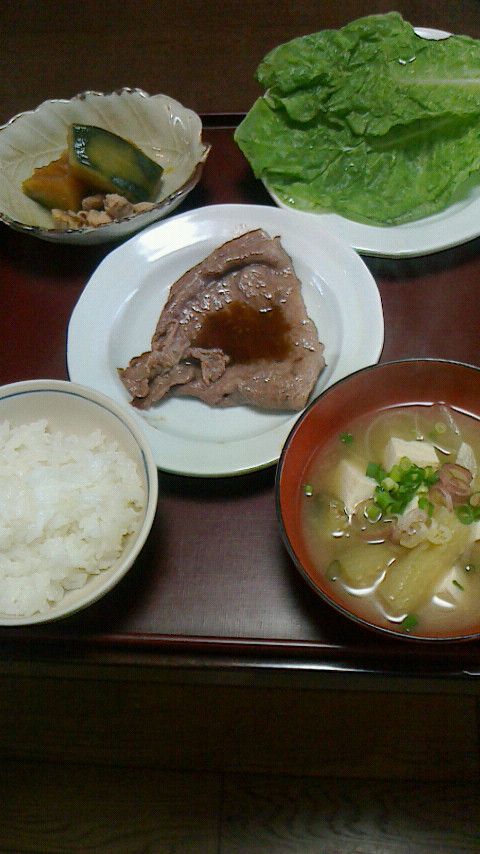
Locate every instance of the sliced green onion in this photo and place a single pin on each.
(396, 473)
(373, 512)
(346, 438)
(388, 484)
(307, 489)
(426, 505)
(376, 472)
(464, 514)
(409, 622)
(383, 499)
(398, 487)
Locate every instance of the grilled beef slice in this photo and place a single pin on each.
(234, 330)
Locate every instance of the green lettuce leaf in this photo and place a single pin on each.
(370, 121)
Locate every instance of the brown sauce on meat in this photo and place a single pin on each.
(246, 334)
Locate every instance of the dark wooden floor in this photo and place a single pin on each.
(145, 768)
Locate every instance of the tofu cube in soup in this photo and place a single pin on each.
(353, 485)
(421, 453)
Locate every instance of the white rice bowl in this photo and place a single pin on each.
(78, 493)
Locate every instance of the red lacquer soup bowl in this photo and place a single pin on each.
(369, 391)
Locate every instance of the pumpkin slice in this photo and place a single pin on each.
(109, 163)
(56, 186)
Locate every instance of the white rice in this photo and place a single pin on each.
(66, 505)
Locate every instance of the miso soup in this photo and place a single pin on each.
(391, 514)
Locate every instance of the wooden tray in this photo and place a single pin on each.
(214, 579)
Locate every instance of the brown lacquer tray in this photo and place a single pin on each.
(214, 578)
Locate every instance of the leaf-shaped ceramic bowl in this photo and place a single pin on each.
(165, 130)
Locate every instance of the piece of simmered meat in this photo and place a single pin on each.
(234, 330)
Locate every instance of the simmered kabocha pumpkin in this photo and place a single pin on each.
(56, 186)
(111, 164)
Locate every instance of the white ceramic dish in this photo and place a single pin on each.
(117, 312)
(77, 410)
(164, 129)
(452, 227)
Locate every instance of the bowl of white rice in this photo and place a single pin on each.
(78, 496)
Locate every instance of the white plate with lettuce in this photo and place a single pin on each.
(395, 181)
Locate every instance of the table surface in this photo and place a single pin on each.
(214, 580)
